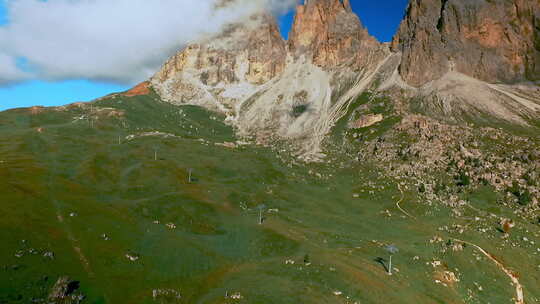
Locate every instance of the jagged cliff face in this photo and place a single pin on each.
(332, 38)
(494, 41)
(465, 58)
(270, 88)
(253, 51)
(243, 56)
(447, 56)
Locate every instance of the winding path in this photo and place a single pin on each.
(513, 277)
(401, 200)
(519, 299)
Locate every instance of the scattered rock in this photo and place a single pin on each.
(229, 145)
(236, 296)
(132, 256)
(166, 295)
(64, 291)
(367, 121)
(436, 263)
(457, 247)
(446, 278)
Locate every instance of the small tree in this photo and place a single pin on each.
(391, 249)
(463, 179)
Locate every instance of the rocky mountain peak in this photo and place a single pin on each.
(494, 41)
(251, 51)
(268, 87)
(450, 56)
(329, 33)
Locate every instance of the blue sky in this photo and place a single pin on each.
(2, 12)
(36, 93)
(380, 17)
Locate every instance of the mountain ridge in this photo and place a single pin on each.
(493, 41)
(330, 59)
(328, 50)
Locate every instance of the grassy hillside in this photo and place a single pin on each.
(138, 201)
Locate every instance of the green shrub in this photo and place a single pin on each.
(525, 198)
(299, 110)
(463, 179)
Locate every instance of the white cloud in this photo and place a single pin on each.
(114, 40)
(9, 72)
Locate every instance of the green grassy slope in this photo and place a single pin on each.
(74, 181)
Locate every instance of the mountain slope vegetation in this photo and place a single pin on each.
(141, 201)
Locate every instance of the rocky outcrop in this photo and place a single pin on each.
(491, 40)
(450, 57)
(140, 89)
(295, 90)
(65, 291)
(252, 51)
(330, 34)
(217, 72)
(367, 121)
